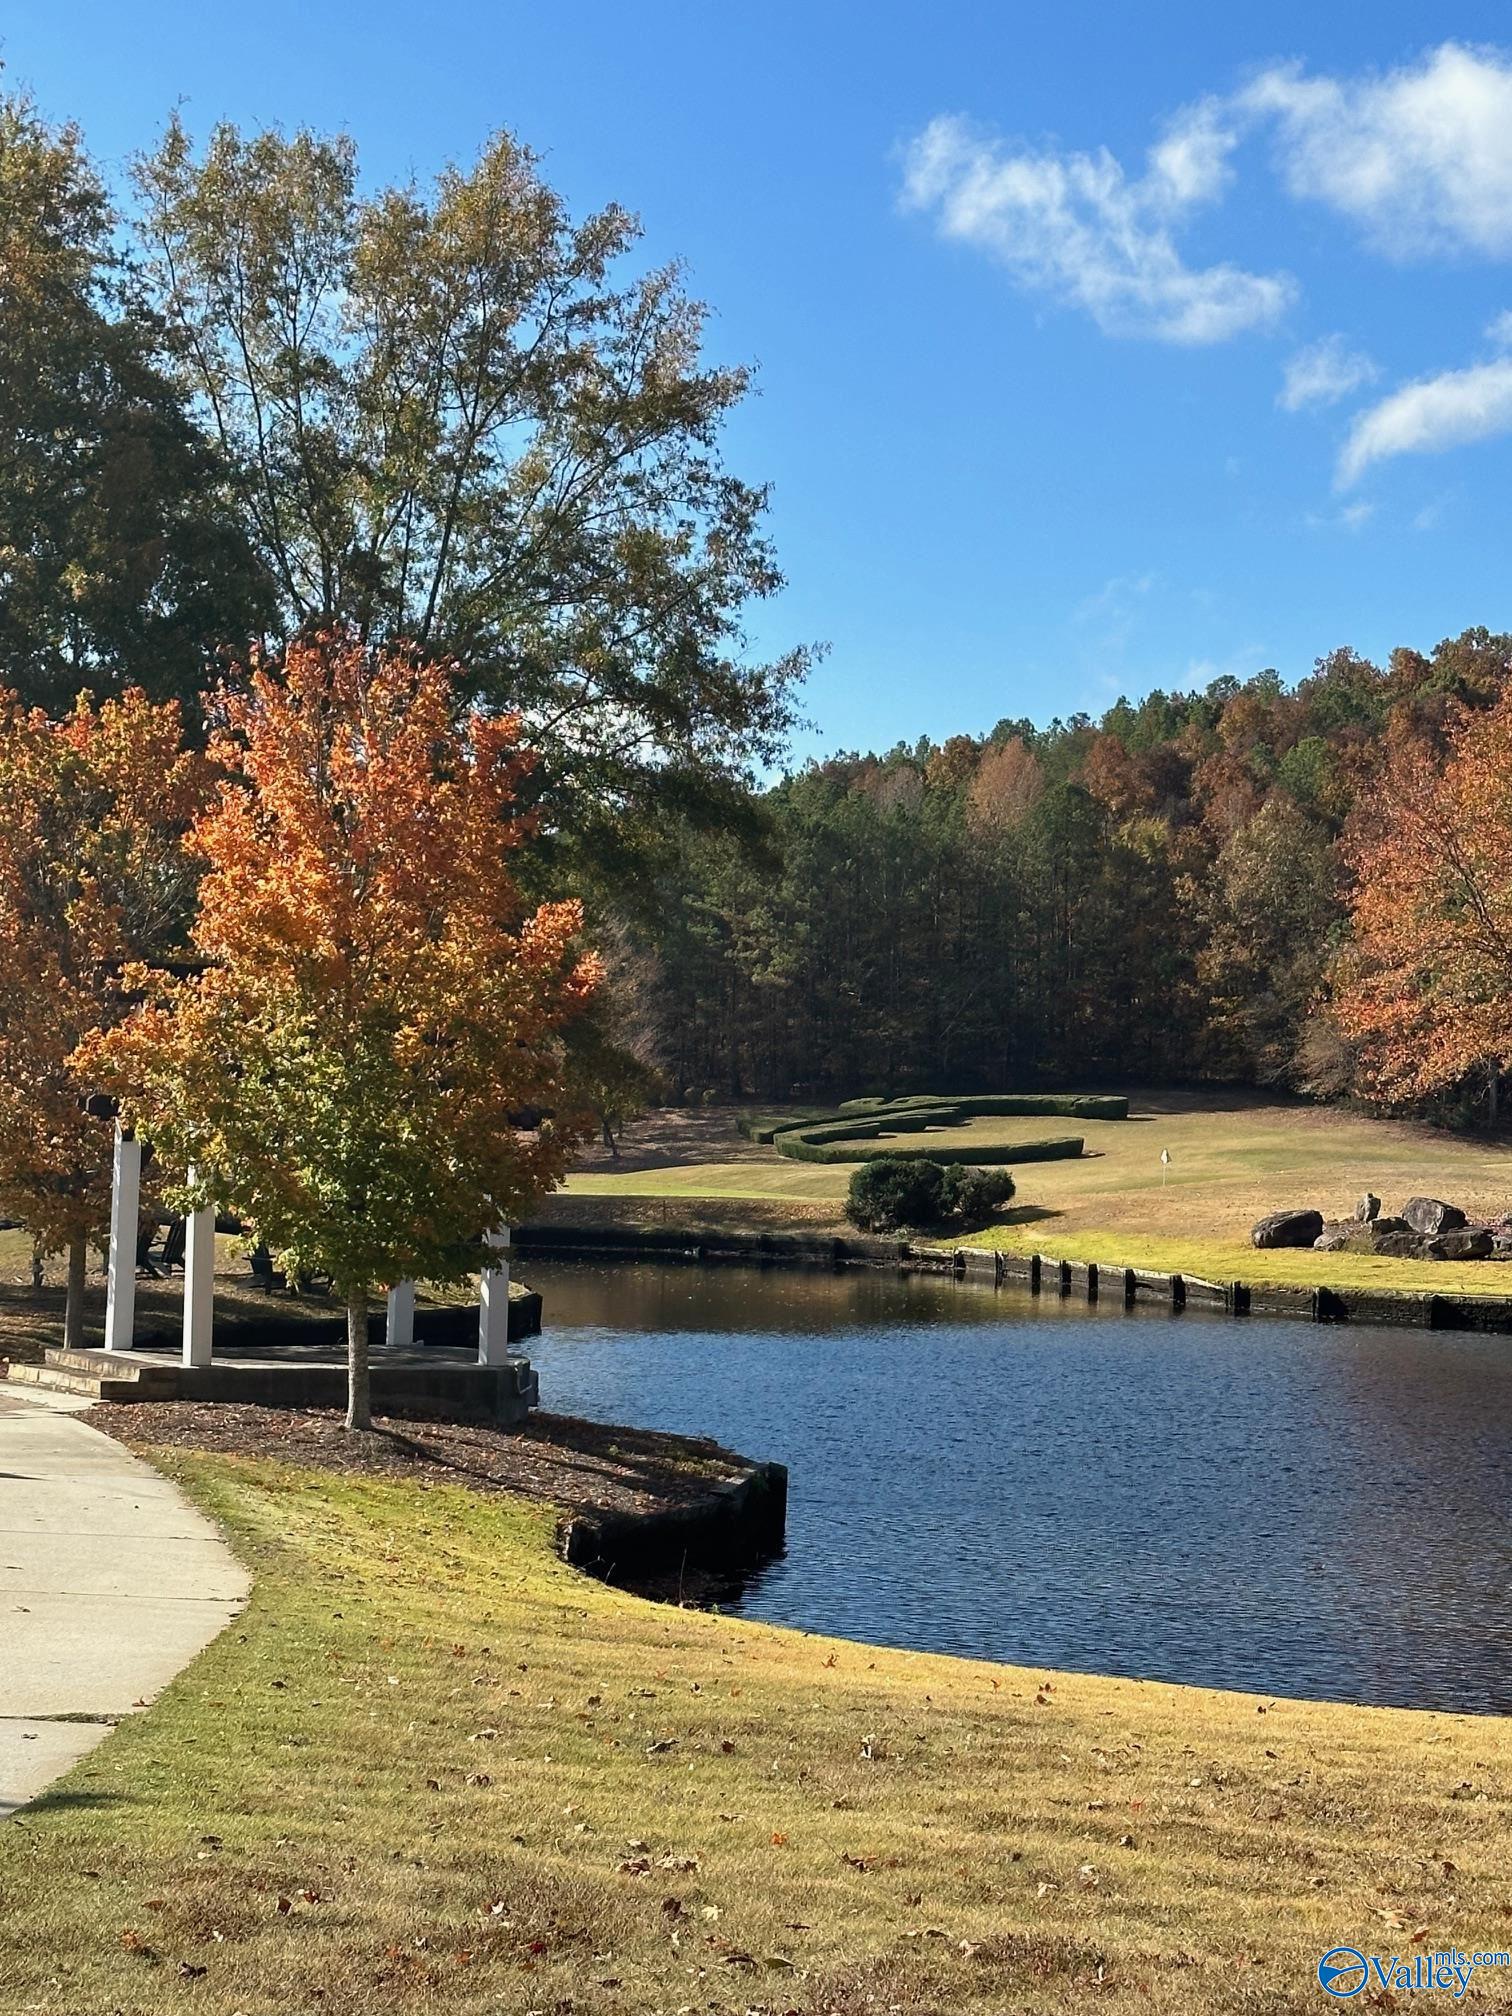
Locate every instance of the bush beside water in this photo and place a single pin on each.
(891, 1192)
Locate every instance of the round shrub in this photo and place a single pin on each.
(973, 1195)
(891, 1192)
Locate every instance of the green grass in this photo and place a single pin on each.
(1233, 1159)
(434, 1769)
(1222, 1260)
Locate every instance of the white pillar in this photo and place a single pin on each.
(125, 1214)
(493, 1303)
(199, 1285)
(400, 1333)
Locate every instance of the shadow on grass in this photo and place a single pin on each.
(644, 1461)
(72, 1802)
(554, 1459)
(1027, 1214)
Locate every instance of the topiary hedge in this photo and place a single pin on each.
(975, 1105)
(799, 1146)
(762, 1127)
(917, 1111)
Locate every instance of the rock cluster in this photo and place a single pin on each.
(1426, 1229)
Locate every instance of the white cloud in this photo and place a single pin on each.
(1430, 415)
(1499, 330)
(1323, 373)
(1076, 227)
(1114, 597)
(1190, 164)
(1351, 518)
(1420, 156)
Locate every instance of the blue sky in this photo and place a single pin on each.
(1048, 417)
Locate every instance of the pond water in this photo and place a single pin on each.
(1298, 1509)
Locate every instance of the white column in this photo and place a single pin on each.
(125, 1214)
(400, 1333)
(199, 1285)
(493, 1303)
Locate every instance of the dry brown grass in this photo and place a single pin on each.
(434, 1768)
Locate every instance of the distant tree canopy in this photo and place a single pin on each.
(1164, 894)
(1425, 984)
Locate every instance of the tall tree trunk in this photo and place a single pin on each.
(359, 1399)
(73, 1307)
(1493, 1094)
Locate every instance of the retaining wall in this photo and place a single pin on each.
(1089, 1281)
(732, 1526)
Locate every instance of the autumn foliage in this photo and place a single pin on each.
(1425, 988)
(93, 876)
(347, 1068)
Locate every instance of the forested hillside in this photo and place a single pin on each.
(1155, 896)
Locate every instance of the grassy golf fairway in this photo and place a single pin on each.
(433, 1768)
(1233, 1159)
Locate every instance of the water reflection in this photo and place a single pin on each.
(1297, 1509)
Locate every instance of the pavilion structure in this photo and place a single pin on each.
(487, 1379)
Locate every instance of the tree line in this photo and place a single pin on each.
(1298, 887)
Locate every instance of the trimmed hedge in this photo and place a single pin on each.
(974, 1105)
(862, 1119)
(798, 1147)
(762, 1127)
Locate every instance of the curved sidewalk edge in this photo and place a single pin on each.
(110, 1583)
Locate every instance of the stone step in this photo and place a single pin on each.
(92, 1385)
(119, 1366)
(53, 1380)
(145, 1380)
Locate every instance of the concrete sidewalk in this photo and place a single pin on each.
(110, 1582)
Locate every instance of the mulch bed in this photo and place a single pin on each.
(581, 1466)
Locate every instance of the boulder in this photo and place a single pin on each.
(1430, 1216)
(1383, 1228)
(1402, 1244)
(1288, 1228)
(1336, 1238)
(1368, 1209)
(1474, 1242)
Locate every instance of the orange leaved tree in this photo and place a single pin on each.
(93, 876)
(1425, 989)
(373, 1011)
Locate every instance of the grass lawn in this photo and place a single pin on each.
(1233, 1159)
(433, 1768)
